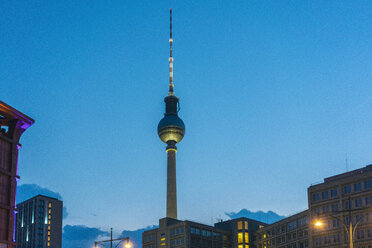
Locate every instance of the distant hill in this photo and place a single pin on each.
(266, 217)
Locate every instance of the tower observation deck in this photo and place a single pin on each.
(171, 130)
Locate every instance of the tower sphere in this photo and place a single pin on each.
(171, 128)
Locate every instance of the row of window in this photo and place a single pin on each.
(329, 239)
(177, 231)
(288, 238)
(242, 225)
(149, 238)
(290, 226)
(240, 238)
(356, 187)
(198, 242)
(301, 244)
(176, 242)
(325, 194)
(204, 233)
(356, 203)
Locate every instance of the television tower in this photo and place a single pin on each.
(171, 130)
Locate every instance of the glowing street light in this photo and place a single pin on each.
(318, 223)
(350, 229)
(127, 244)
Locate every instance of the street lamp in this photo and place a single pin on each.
(349, 230)
(127, 244)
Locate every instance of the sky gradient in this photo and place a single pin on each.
(275, 96)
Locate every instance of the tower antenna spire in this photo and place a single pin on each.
(171, 86)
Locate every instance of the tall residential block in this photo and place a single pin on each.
(39, 223)
(12, 125)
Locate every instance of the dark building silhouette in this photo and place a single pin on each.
(39, 223)
(12, 124)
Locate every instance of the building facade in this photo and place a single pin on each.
(12, 125)
(291, 232)
(174, 233)
(39, 223)
(339, 201)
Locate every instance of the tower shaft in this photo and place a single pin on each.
(171, 184)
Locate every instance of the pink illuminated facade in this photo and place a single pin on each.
(12, 124)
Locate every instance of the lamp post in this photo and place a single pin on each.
(111, 240)
(349, 230)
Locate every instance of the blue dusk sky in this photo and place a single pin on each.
(275, 96)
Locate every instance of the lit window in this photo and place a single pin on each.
(240, 238)
(246, 237)
(240, 246)
(240, 225)
(162, 239)
(245, 224)
(261, 226)
(50, 204)
(246, 246)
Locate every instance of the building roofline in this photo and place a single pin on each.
(39, 195)
(9, 111)
(286, 218)
(359, 171)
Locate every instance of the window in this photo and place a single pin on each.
(324, 195)
(327, 240)
(291, 225)
(318, 241)
(335, 223)
(316, 197)
(347, 205)
(357, 186)
(360, 234)
(369, 200)
(335, 207)
(325, 209)
(334, 193)
(316, 210)
(369, 233)
(347, 189)
(368, 184)
(240, 225)
(358, 202)
(240, 238)
(246, 237)
(245, 225)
